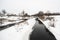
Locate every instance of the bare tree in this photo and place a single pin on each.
(4, 12)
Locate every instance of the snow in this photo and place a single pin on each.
(22, 31)
(18, 32)
(56, 29)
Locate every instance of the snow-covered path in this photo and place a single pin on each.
(18, 32)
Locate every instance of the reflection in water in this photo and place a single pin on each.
(41, 33)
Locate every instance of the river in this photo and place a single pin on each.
(41, 33)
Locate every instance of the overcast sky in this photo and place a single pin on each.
(30, 6)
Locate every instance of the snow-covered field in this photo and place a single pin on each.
(18, 32)
(56, 29)
(23, 30)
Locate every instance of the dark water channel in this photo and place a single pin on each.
(41, 33)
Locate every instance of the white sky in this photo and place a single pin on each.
(30, 6)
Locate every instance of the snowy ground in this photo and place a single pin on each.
(18, 32)
(56, 29)
(23, 30)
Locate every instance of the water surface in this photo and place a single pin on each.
(41, 33)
